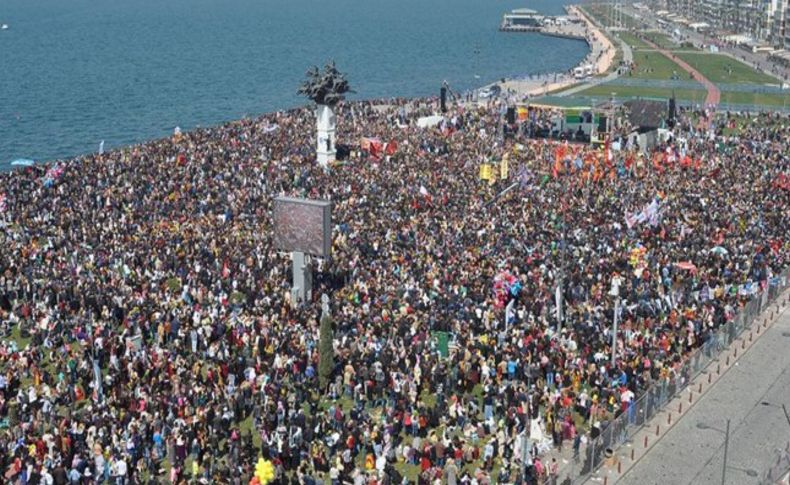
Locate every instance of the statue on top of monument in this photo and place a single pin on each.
(328, 87)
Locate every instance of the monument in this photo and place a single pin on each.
(326, 89)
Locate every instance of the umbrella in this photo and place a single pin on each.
(23, 162)
(719, 250)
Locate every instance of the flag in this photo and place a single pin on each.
(561, 155)
(607, 153)
(657, 162)
(525, 177)
(391, 147)
(423, 191)
(485, 171)
(670, 157)
(630, 219)
(52, 175)
(225, 269)
(101, 148)
(629, 160)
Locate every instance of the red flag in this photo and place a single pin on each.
(225, 269)
(375, 149)
(657, 161)
(391, 147)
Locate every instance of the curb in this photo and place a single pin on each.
(652, 432)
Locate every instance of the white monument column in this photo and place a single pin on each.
(327, 122)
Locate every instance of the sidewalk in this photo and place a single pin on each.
(628, 57)
(602, 52)
(627, 456)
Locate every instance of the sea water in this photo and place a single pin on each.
(75, 72)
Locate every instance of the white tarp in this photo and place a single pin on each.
(429, 121)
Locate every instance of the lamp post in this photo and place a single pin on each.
(777, 406)
(615, 292)
(726, 445)
(726, 433)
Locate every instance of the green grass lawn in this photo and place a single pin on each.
(665, 42)
(654, 65)
(605, 90)
(719, 68)
(752, 98)
(603, 13)
(632, 40)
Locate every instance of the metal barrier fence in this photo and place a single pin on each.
(626, 425)
(779, 472)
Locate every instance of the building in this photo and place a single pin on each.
(522, 18)
(762, 21)
(787, 26)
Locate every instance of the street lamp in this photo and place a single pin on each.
(777, 406)
(726, 433)
(615, 292)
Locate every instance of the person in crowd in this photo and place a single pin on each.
(149, 334)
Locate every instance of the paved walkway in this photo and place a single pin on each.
(757, 60)
(689, 454)
(672, 447)
(601, 56)
(628, 56)
(714, 95)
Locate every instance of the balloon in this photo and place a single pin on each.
(255, 481)
(264, 471)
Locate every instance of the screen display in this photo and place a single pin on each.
(302, 225)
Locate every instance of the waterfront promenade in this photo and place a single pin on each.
(601, 56)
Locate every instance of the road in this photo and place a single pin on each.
(758, 61)
(628, 56)
(688, 454)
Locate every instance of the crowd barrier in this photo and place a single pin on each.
(779, 472)
(626, 425)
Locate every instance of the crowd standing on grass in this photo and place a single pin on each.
(149, 334)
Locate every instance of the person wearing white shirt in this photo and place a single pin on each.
(120, 471)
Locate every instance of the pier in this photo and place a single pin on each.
(575, 25)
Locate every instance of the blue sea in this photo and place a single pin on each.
(75, 72)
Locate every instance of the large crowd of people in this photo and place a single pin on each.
(149, 334)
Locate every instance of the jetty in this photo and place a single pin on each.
(574, 25)
(528, 20)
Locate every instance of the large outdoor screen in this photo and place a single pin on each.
(303, 225)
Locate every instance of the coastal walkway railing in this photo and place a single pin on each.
(623, 427)
(693, 85)
(723, 105)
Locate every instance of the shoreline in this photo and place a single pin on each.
(534, 85)
(601, 56)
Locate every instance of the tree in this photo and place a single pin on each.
(326, 352)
